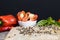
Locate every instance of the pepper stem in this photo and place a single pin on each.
(1, 22)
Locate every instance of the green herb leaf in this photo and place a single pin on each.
(42, 23)
(48, 21)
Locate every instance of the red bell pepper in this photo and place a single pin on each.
(7, 22)
(5, 28)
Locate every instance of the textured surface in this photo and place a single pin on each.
(3, 35)
(14, 34)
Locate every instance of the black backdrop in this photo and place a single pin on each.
(44, 8)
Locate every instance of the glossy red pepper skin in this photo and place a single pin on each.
(5, 28)
(8, 20)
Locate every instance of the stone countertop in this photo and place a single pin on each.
(3, 35)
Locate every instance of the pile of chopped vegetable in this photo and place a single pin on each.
(48, 21)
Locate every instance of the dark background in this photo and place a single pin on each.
(44, 8)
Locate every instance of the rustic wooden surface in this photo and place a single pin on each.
(3, 35)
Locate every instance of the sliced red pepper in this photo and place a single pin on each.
(34, 17)
(20, 15)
